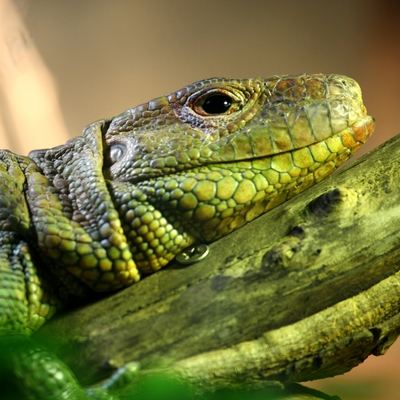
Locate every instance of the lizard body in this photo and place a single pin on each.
(126, 197)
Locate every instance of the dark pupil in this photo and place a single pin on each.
(217, 104)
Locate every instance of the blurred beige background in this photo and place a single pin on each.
(105, 56)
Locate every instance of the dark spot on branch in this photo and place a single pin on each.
(324, 204)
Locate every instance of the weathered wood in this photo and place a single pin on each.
(306, 291)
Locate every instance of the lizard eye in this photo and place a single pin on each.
(214, 103)
(217, 104)
(114, 153)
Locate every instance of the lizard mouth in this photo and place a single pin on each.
(254, 146)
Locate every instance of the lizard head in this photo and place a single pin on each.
(218, 153)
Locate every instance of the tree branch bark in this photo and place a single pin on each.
(306, 291)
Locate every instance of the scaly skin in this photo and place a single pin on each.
(135, 190)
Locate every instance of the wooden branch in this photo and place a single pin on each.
(306, 291)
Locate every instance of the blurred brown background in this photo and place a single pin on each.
(106, 56)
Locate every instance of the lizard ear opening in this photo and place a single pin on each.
(113, 153)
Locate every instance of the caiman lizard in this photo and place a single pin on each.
(124, 198)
